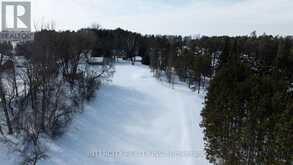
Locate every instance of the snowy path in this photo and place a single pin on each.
(137, 117)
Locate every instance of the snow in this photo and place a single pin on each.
(134, 120)
(7, 157)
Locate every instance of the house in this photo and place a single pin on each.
(95, 60)
(138, 59)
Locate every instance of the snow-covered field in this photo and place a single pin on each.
(134, 120)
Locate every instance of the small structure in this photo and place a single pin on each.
(96, 60)
(138, 59)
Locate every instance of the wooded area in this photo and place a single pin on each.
(248, 110)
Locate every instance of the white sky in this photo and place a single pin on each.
(184, 17)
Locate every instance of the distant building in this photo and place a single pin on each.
(96, 60)
(138, 59)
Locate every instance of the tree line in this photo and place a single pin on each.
(248, 110)
(248, 113)
(43, 83)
